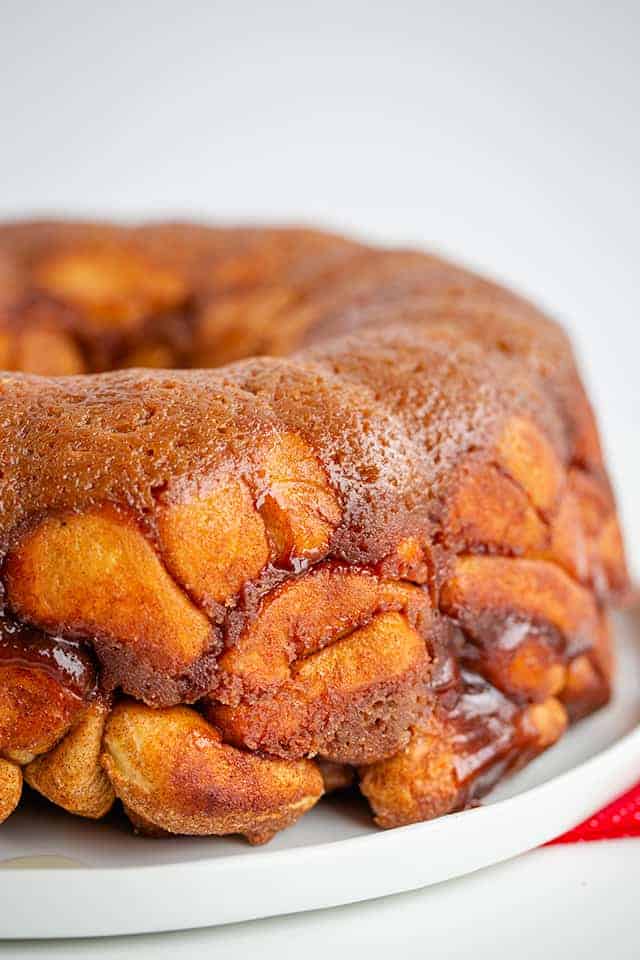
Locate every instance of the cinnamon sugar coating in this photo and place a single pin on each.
(377, 534)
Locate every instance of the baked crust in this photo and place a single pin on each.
(377, 541)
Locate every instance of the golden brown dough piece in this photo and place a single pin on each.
(336, 664)
(378, 542)
(171, 768)
(335, 776)
(10, 788)
(95, 573)
(70, 774)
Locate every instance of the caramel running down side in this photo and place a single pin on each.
(354, 529)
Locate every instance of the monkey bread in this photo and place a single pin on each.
(281, 513)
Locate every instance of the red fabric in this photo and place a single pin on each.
(621, 818)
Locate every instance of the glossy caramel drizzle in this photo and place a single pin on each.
(66, 661)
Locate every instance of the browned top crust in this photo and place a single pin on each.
(375, 384)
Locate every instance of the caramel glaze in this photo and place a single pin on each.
(68, 662)
(489, 739)
(486, 738)
(483, 719)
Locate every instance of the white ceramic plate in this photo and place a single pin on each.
(65, 877)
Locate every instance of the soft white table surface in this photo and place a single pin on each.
(505, 134)
(578, 902)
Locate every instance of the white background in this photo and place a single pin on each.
(504, 134)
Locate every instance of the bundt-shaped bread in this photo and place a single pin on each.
(377, 543)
